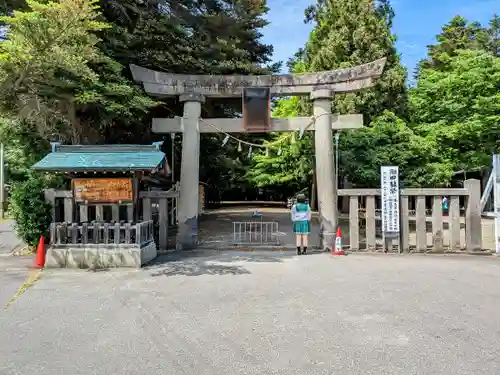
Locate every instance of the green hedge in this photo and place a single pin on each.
(28, 208)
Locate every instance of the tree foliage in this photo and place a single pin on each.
(29, 210)
(64, 76)
(458, 108)
(448, 122)
(346, 34)
(54, 77)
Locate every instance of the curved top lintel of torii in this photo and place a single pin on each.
(226, 86)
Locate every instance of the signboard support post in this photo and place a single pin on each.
(496, 200)
(389, 181)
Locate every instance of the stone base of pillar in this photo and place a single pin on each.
(187, 238)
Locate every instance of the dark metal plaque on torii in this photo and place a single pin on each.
(257, 109)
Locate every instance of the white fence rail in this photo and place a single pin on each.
(256, 233)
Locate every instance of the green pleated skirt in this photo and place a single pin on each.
(301, 227)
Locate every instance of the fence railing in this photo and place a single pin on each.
(256, 233)
(447, 229)
(101, 233)
(158, 206)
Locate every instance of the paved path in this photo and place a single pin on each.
(8, 239)
(257, 313)
(13, 273)
(13, 269)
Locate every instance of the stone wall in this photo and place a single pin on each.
(104, 256)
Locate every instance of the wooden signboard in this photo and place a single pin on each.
(103, 190)
(257, 109)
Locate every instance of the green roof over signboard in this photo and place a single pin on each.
(120, 158)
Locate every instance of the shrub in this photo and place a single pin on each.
(29, 210)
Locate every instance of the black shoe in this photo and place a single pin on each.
(298, 251)
(304, 251)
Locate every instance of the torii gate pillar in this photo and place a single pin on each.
(190, 166)
(325, 167)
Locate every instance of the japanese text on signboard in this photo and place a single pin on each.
(390, 199)
(102, 190)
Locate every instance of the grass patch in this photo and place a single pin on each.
(33, 276)
(24, 251)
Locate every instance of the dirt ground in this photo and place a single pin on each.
(217, 231)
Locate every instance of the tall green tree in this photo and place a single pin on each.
(460, 34)
(346, 33)
(493, 36)
(459, 108)
(195, 37)
(353, 32)
(53, 75)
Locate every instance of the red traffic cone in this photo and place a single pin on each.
(40, 254)
(338, 243)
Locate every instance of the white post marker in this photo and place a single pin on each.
(496, 199)
(389, 181)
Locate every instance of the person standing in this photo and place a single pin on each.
(444, 205)
(301, 219)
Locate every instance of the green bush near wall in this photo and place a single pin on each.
(28, 208)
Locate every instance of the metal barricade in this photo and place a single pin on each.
(256, 233)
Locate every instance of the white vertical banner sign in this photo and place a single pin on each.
(496, 200)
(389, 176)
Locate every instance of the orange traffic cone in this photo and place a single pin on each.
(40, 254)
(338, 243)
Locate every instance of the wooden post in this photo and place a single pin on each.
(163, 222)
(128, 236)
(85, 233)
(130, 212)
(405, 225)
(136, 187)
(99, 213)
(353, 223)
(105, 237)
(473, 227)
(84, 213)
(146, 209)
(74, 233)
(117, 233)
(53, 234)
(454, 217)
(421, 225)
(50, 197)
(138, 233)
(95, 232)
(371, 238)
(437, 225)
(68, 210)
(115, 212)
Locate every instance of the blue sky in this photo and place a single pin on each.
(416, 24)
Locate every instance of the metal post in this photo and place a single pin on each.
(2, 182)
(337, 137)
(172, 135)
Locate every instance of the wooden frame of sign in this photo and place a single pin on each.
(256, 109)
(103, 190)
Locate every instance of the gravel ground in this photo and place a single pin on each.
(261, 313)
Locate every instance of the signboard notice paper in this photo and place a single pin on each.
(389, 176)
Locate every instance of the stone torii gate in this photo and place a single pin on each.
(192, 91)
